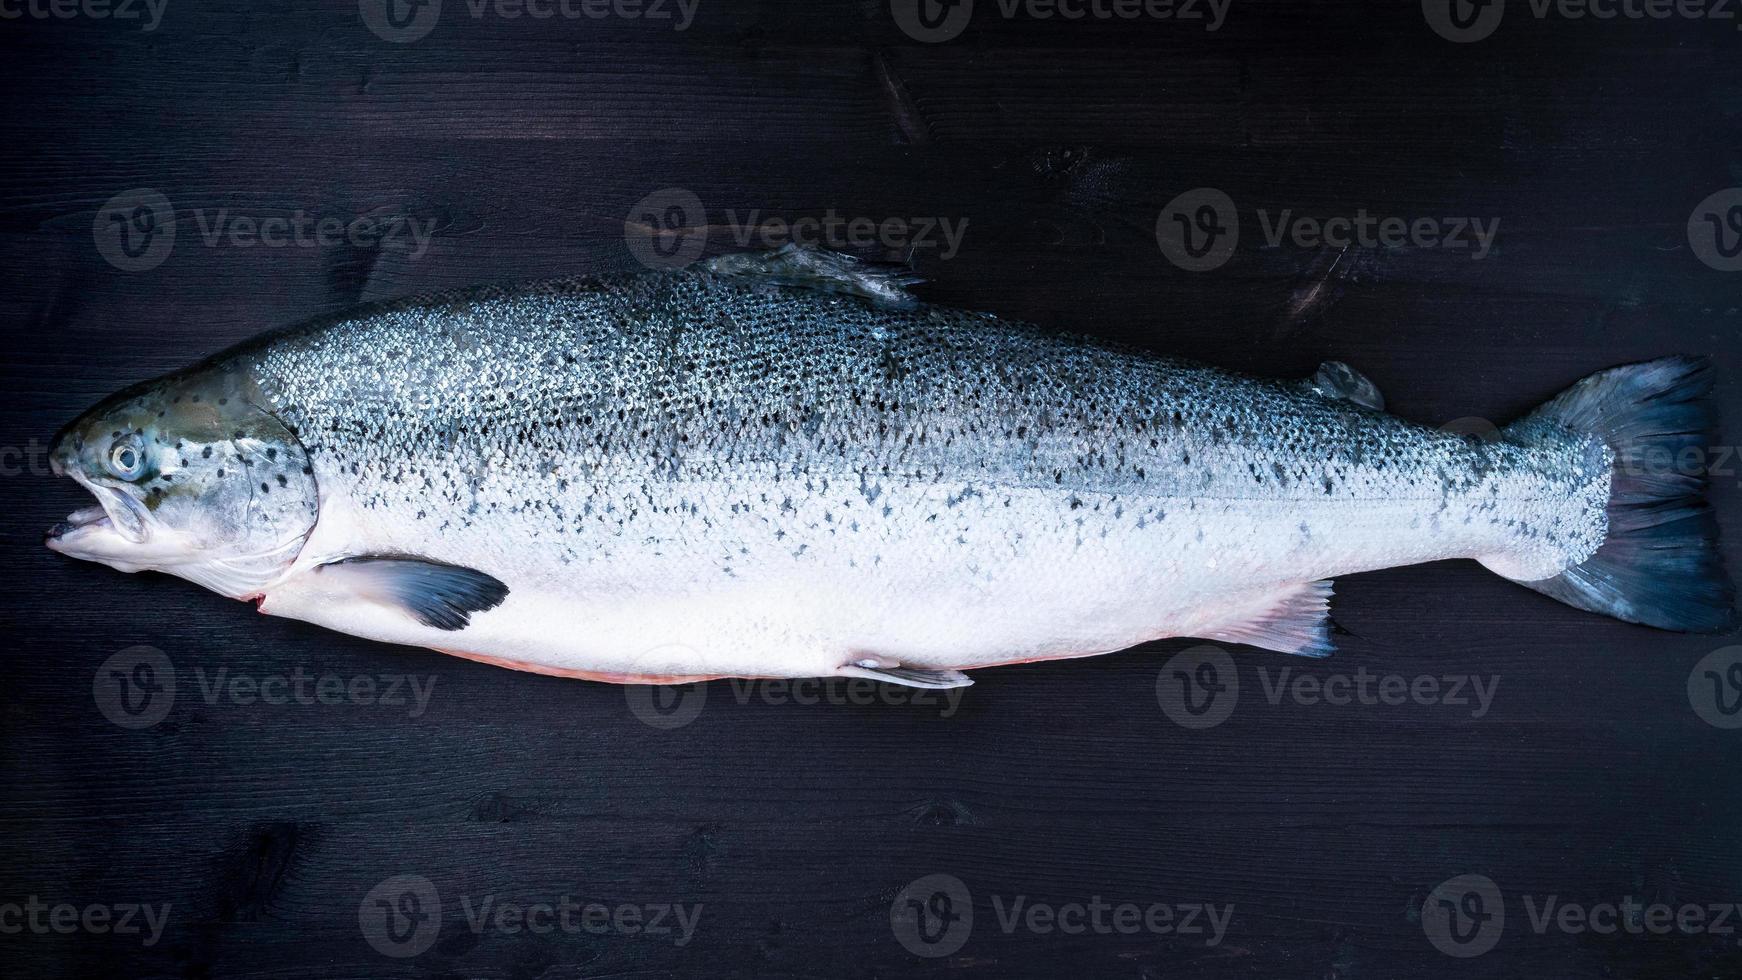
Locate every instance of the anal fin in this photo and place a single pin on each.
(1293, 621)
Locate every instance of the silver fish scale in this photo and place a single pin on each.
(575, 406)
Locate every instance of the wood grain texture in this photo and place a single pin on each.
(795, 827)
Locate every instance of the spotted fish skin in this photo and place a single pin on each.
(822, 478)
(695, 473)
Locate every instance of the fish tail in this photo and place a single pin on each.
(1658, 562)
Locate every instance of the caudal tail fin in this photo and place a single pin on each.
(1659, 564)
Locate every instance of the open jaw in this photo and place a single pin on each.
(103, 531)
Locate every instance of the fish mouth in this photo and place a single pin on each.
(116, 514)
(85, 519)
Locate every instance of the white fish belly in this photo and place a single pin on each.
(928, 576)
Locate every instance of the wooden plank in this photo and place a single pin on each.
(527, 144)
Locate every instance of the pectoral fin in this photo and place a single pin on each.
(433, 593)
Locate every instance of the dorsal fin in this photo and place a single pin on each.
(1335, 379)
(819, 269)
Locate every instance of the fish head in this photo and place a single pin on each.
(192, 477)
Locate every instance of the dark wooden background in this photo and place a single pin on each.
(795, 827)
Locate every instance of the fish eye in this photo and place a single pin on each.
(126, 461)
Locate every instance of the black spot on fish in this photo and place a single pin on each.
(207, 454)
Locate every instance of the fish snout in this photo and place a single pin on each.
(59, 453)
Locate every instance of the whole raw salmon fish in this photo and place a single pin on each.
(782, 465)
